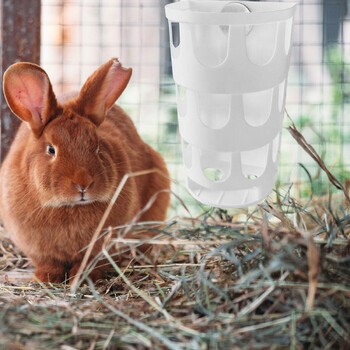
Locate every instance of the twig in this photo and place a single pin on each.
(100, 226)
(258, 301)
(152, 332)
(139, 292)
(315, 156)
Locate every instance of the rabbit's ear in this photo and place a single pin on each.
(29, 94)
(102, 89)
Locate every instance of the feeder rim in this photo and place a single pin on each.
(260, 12)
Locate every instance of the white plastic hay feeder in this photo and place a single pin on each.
(230, 65)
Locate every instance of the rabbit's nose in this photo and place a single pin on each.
(83, 187)
(82, 182)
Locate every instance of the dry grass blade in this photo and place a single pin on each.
(139, 292)
(264, 230)
(221, 281)
(258, 301)
(313, 258)
(168, 343)
(315, 156)
(126, 177)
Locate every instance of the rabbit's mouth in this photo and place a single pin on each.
(84, 201)
(84, 198)
(75, 200)
(59, 203)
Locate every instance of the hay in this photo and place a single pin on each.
(219, 283)
(274, 278)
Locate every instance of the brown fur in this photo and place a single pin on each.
(96, 143)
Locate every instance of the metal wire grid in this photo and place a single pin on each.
(318, 99)
(80, 35)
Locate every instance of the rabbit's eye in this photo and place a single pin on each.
(51, 150)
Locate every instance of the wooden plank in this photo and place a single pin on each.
(16, 276)
(20, 42)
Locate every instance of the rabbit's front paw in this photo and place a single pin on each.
(50, 274)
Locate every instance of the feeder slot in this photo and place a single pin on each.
(276, 147)
(214, 109)
(254, 162)
(257, 107)
(281, 95)
(261, 43)
(175, 33)
(288, 35)
(181, 96)
(210, 44)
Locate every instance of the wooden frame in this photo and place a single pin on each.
(20, 42)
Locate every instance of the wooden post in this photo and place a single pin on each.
(20, 42)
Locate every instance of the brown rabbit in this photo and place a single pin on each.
(65, 163)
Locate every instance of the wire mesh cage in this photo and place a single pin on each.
(77, 36)
(273, 276)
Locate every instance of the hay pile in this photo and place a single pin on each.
(278, 277)
(274, 278)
